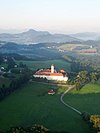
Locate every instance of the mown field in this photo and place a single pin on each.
(59, 64)
(32, 105)
(87, 99)
(69, 47)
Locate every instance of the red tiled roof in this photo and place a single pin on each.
(46, 72)
(61, 71)
(56, 74)
(51, 92)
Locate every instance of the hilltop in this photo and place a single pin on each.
(32, 37)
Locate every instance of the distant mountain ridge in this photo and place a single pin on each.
(32, 37)
(87, 36)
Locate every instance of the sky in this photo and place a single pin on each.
(55, 16)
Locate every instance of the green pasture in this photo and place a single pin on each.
(87, 99)
(59, 64)
(32, 105)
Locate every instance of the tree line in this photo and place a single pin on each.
(85, 77)
(15, 84)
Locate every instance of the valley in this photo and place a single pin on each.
(24, 100)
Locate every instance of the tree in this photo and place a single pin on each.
(95, 121)
(83, 76)
(93, 77)
(78, 85)
(85, 116)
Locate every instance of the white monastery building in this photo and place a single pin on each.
(51, 74)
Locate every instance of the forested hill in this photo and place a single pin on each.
(32, 36)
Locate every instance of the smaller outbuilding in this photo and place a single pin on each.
(51, 92)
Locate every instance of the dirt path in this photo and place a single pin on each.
(67, 105)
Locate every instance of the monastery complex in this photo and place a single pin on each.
(51, 74)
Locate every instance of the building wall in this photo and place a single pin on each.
(59, 78)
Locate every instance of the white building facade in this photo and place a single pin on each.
(51, 74)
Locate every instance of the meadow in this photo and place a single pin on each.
(59, 64)
(32, 105)
(87, 99)
(70, 47)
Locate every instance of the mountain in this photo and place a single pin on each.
(32, 37)
(87, 36)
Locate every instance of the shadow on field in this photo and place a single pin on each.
(43, 94)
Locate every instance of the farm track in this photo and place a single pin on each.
(67, 105)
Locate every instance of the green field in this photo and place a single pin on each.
(59, 64)
(32, 105)
(87, 99)
(70, 47)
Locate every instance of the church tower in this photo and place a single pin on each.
(52, 68)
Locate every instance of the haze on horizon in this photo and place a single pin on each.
(56, 16)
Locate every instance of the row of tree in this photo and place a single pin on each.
(85, 62)
(85, 77)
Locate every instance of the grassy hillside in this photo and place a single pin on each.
(59, 64)
(70, 47)
(32, 105)
(87, 99)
